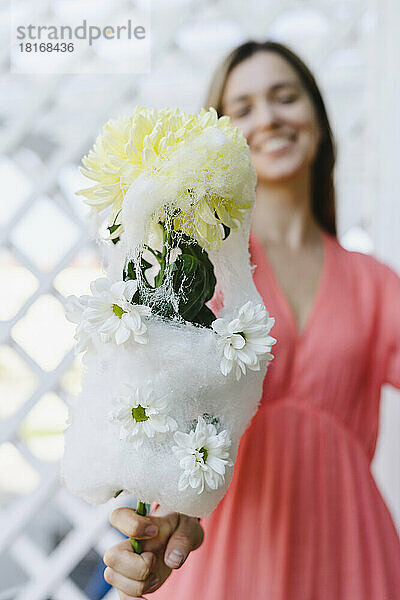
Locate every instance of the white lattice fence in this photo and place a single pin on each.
(38, 341)
(38, 335)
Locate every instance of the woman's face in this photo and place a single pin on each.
(265, 98)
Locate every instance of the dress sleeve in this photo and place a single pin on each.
(388, 336)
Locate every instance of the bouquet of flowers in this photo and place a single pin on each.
(169, 385)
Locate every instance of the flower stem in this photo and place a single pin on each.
(137, 544)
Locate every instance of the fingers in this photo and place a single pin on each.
(123, 596)
(187, 537)
(166, 546)
(130, 587)
(123, 560)
(132, 574)
(132, 524)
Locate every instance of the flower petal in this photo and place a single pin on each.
(99, 285)
(122, 334)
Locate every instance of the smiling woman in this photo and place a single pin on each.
(269, 82)
(274, 101)
(303, 518)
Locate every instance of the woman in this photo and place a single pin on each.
(303, 518)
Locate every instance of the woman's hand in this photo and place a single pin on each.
(167, 540)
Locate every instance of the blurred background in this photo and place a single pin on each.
(51, 542)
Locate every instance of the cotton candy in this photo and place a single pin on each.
(160, 415)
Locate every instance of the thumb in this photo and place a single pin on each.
(187, 536)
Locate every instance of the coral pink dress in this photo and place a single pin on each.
(303, 518)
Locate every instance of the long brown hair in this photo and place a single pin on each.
(323, 186)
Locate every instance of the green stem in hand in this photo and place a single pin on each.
(137, 544)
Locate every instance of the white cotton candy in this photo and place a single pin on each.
(180, 362)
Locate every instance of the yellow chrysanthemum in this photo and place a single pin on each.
(213, 179)
(205, 223)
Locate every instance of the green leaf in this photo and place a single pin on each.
(156, 253)
(130, 273)
(227, 230)
(195, 250)
(159, 278)
(144, 264)
(194, 282)
(188, 283)
(111, 229)
(205, 317)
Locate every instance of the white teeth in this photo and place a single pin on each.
(276, 144)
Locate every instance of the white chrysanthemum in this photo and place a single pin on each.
(212, 187)
(74, 309)
(244, 340)
(142, 414)
(108, 314)
(203, 455)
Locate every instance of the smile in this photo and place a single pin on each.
(275, 144)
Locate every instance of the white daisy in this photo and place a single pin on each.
(244, 340)
(203, 455)
(74, 309)
(110, 313)
(141, 414)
